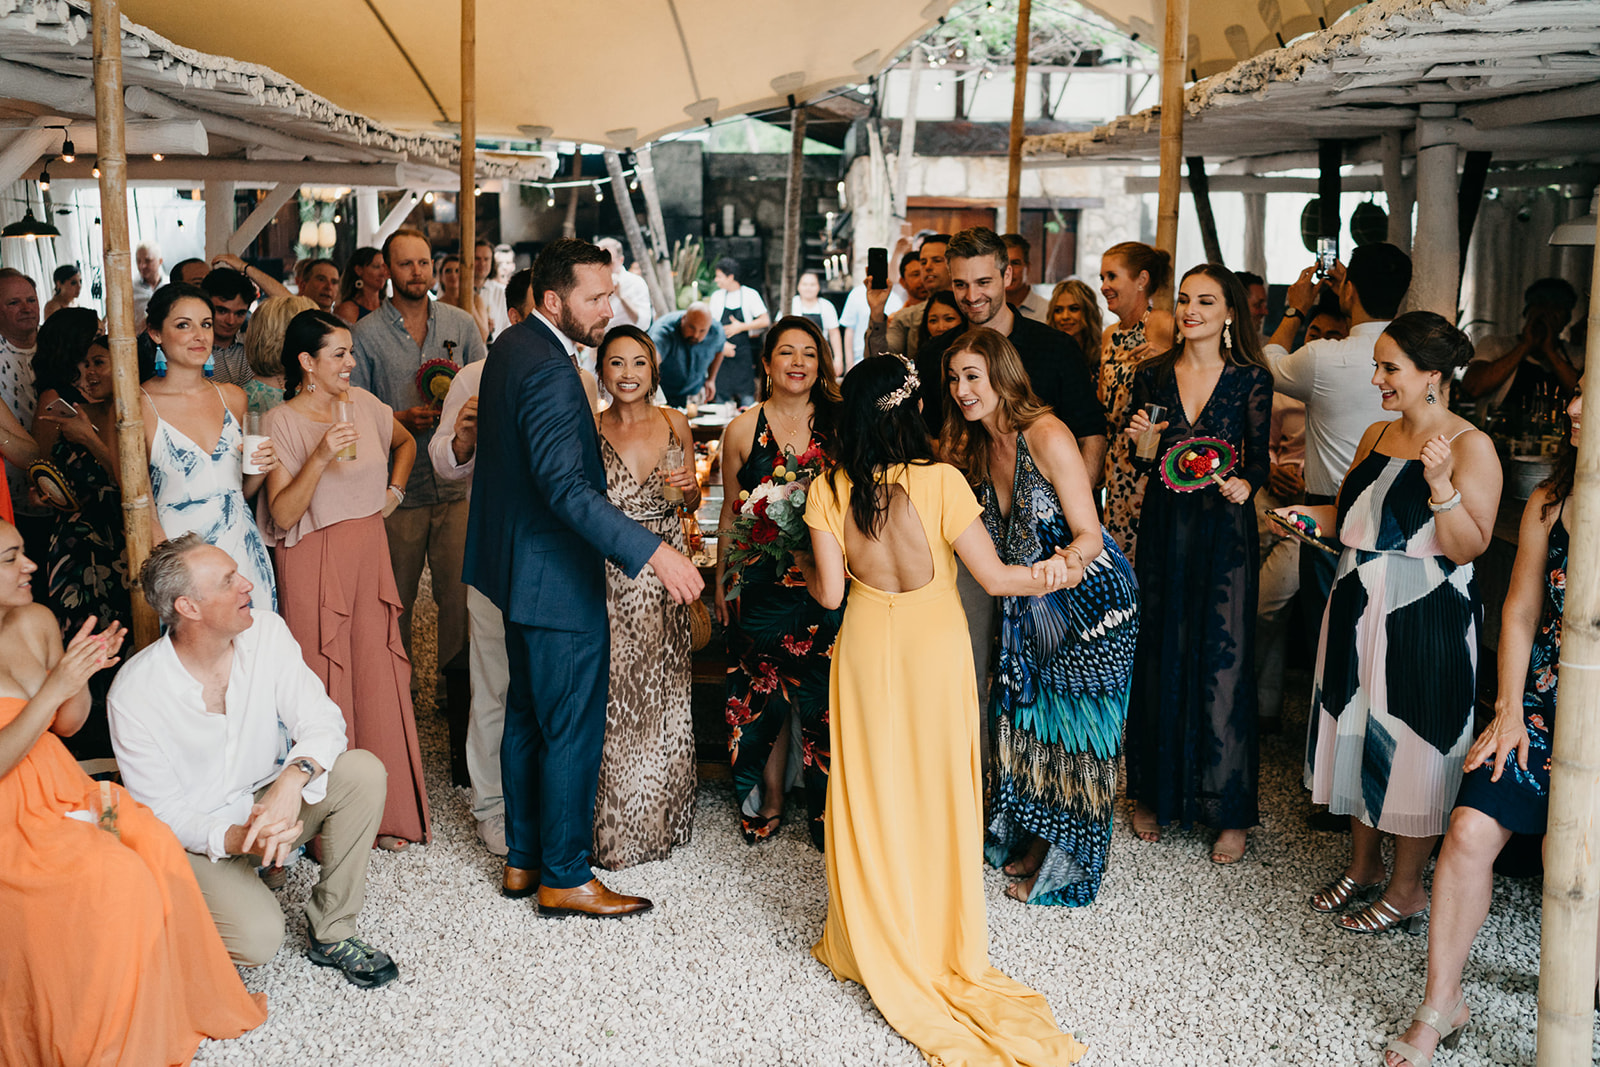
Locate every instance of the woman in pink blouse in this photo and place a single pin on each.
(323, 516)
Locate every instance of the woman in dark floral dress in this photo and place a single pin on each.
(85, 566)
(1192, 744)
(1507, 784)
(780, 640)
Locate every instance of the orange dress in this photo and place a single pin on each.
(107, 952)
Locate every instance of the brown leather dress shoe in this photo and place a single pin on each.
(519, 883)
(591, 899)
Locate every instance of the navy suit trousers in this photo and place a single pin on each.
(555, 730)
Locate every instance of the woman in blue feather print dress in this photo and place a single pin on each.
(1060, 694)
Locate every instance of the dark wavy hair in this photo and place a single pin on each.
(1431, 341)
(361, 257)
(825, 392)
(948, 299)
(1246, 348)
(164, 298)
(870, 440)
(306, 333)
(64, 341)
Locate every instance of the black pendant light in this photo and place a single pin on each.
(30, 228)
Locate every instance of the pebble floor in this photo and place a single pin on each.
(1178, 963)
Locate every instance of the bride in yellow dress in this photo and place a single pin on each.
(904, 825)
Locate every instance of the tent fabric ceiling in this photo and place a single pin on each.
(625, 73)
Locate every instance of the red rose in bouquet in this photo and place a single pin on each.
(765, 531)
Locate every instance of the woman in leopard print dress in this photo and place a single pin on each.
(644, 804)
(1130, 275)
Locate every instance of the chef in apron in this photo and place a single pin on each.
(737, 304)
(809, 304)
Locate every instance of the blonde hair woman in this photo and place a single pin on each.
(1075, 311)
(263, 348)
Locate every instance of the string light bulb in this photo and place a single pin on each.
(157, 156)
(95, 172)
(598, 195)
(477, 190)
(414, 198)
(69, 154)
(427, 197)
(44, 178)
(550, 201)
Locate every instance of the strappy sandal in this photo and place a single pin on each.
(1337, 895)
(1145, 826)
(1435, 1021)
(759, 829)
(1380, 917)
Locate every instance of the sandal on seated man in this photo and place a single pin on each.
(225, 733)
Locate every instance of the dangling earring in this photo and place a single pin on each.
(211, 366)
(358, 283)
(161, 363)
(1227, 334)
(1432, 399)
(311, 386)
(769, 386)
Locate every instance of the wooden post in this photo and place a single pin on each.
(792, 250)
(908, 136)
(1173, 52)
(1436, 247)
(630, 227)
(112, 156)
(467, 202)
(645, 171)
(1572, 838)
(1200, 188)
(221, 215)
(1255, 233)
(1397, 190)
(1019, 102)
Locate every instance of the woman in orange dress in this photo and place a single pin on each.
(107, 952)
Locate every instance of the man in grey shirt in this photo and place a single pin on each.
(390, 346)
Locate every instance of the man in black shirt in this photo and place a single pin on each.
(980, 270)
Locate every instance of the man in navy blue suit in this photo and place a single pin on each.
(538, 537)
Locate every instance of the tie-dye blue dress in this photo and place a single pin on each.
(1060, 696)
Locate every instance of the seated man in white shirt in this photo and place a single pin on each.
(222, 730)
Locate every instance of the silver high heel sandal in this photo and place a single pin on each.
(1428, 1017)
(1380, 917)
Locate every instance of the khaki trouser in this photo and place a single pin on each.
(490, 677)
(248, 915)
(437, 534)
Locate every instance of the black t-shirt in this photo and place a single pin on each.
(1056, 368)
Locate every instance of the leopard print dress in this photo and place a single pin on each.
(1124, 350)
(644, 805)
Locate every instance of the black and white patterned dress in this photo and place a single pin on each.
(1391, 710)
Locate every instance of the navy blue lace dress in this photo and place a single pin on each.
(1193, 752)
(1060, 695)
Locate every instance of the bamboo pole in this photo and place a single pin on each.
(1019, 102)
(661, 262)
(630, 227)
(112, 157)
(1173, 49)
(791, 210)
(1572, 840)
(467, 202)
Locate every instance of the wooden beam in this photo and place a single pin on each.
(1436, 248)
(630, 227)
(1255, 233)
(1250, 184)
(259, 216)
(220, 216)
(133, 459)
(1567, 930)
(258, 171)
(791, 212)
(1019, 102)
(1173, 48)
(1202, 210)
(645, 169)
(366, 216)
(1580, 102)
(1398, 191)
(467, 201)
(397, 216)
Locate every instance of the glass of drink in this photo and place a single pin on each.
(671, 462)
(345, 411)
(1148, 442)
(253, 439)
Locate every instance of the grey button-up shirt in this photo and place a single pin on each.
(231, 364)
(387, 361)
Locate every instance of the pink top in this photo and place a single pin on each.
(1286, 442)
(352, 489)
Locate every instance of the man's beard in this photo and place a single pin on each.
(591, 335)
(972, 316)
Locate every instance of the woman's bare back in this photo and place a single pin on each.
(898, 559)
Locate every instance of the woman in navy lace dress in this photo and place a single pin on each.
(1192, 744)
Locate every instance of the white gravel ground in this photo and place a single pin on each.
(1179, 962)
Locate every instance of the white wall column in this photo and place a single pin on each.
(219, 216)
(1436, 251)
(1255, 233)
(1400, 192)
(366, 217)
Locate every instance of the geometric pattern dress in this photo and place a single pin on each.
(1391, 708)
(1060, 696)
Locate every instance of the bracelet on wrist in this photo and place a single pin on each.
(1444, 505)
(399, 493)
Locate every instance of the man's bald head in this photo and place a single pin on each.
(696, 322)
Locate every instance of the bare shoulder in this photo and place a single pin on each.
(1472, 443)
(233, 396)
(1158, 330)
(1536, 513)
(1053, 447)
(37, 627)
(741, 432)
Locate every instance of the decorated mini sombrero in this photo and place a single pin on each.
(1303, 528)
(1191, 464)
(52, 485)
(434, 378)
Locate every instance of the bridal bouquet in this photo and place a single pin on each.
(770, 522)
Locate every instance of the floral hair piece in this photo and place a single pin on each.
(889, 401)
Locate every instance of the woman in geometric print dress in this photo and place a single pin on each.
(780, 640)
(1130, 275)
(1060, 696)
(1387, 739)
(1507, 787)
(644, 806)
(197, 488)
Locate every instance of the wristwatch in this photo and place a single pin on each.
(1293, 313)
(303, 764)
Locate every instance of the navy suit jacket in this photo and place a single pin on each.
(540, 527)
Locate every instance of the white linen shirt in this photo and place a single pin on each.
(1334, 379)
(199, 771)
